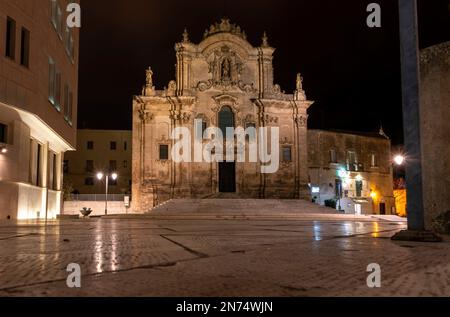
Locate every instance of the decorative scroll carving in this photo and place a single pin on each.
(301, 120)
(145, 115)
(180, 116)
(267, 119)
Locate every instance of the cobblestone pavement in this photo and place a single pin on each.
(207, 257)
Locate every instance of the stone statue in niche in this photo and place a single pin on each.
(226, 70)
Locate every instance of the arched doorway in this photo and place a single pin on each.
(227, 170)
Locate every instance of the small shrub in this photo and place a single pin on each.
(86, 211)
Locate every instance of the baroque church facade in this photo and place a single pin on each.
(223, 81)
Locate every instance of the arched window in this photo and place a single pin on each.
(226, 119)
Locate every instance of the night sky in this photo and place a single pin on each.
(350, 70)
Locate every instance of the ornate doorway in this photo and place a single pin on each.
(227, 170)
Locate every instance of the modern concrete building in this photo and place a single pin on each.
(38, 105)
(435, 129)
(106, 151)
(353, 170)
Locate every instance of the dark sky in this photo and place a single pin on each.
(350, 70)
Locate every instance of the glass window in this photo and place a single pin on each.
(90, 145)
(58, 90)
(352, 162)
(287, 154)
(89, 181)
(333, 156)
(113, 145)
(3, 133)
(359, 188)
(10, 38)
(51, 80)
(338, 188)
(226, 119)
(90, 166)
(66, 167)
(163, 152)
(54, 12)
(59, 20)
(25, 48)
(373, 160)
(112, 166)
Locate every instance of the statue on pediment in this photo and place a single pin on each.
(299, 84)
(149, 77)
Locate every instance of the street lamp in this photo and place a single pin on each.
(100, 176)
(399, 160)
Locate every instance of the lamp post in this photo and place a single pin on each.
(399, 160)
(100, 177)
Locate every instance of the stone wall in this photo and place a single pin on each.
(435, 129)
(98, 207)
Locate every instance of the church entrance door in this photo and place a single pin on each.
(227, 177)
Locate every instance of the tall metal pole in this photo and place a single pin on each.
(409, 44)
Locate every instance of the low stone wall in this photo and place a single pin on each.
(98, 207)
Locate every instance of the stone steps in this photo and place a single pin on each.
(236, 206)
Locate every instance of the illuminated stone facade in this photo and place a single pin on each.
(223, 73)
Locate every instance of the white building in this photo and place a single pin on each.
(38, 85)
